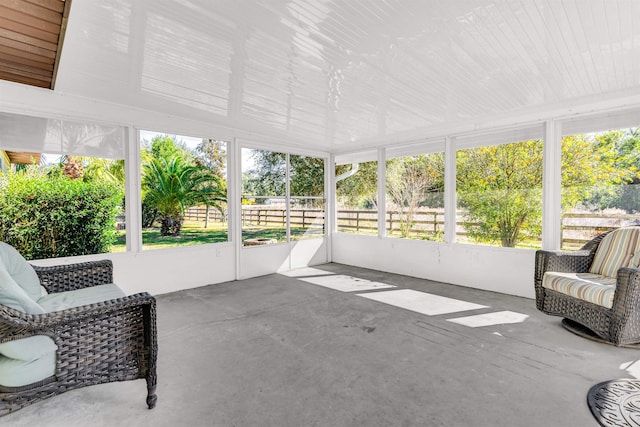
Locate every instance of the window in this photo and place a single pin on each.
(62, 187)
(307, 197)
(357, 197)
(270, 213)
(264, 204)
(600, 183)
(415, 197)
(499, 190)
(184, 190)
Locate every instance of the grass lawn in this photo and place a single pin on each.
(194, 233)
(280, 234)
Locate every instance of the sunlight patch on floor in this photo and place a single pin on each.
(344, 283)
(421, 302)
(632, 368)
(488, 319)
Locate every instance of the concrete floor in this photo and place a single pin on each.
(277, 351)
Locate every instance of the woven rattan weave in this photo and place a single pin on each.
(114, 340)
(618, 325)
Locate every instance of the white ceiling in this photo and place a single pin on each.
(334, 74)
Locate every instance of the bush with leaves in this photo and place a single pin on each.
(172, 186)
(55, 216)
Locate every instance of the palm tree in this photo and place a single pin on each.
(172, 186)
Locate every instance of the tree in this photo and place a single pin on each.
(590, 168)
(105, 170)
(166, 147)
(172, 186)
(307, 176)
(500, 187)
(160, 147)
(410, 180)
(268, 175)
(73, 167)
(212, 154)
(622, 148)
(359, 189)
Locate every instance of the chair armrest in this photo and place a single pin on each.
(625, 315)
(118, 334)
(47, 322)
(69, 277)
(562, 261)
(91, 329)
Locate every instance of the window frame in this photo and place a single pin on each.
(288, 198)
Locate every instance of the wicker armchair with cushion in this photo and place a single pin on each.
(69, 326)
(596, 289)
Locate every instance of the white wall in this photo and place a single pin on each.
(491, 268)
(261, 260)
(161, 271)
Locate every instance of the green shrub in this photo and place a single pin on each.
(48, 217)
(149, 215)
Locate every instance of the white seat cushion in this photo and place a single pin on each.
(12, 295)
(63, 300)
(20, 270)
(33, 359)
(29, 348)
(17, 373)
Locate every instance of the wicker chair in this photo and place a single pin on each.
(619, 324)
(98, 343)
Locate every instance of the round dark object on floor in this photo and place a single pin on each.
(616, 402)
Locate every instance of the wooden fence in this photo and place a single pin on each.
(200, 214)
(263, 216)
(577, 228)
(303, 218)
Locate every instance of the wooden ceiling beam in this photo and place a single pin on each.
(31, 38)
(23, 157)
(27, 8)
(11, 51)
(30, 20)
(28, 48)
(25, 70)
(55, 5)
(24, 80)
(21, 29)
(21, 38)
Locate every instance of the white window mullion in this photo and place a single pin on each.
(330, 213)
(133, 192)
(450, 203)
(382, 193)
(234, 204)
(287, 196)
(552, 187)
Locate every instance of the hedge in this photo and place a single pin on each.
(49, 217)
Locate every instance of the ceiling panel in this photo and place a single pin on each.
(334, 74)
(31, 34)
